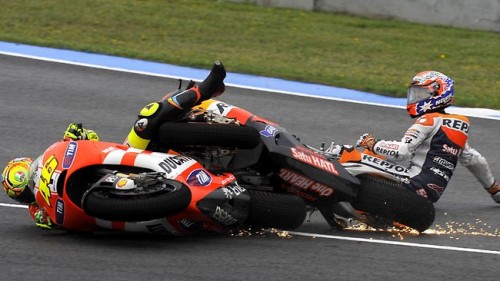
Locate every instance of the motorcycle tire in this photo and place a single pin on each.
(276, 210)
(389, 200)
(104, 204)
(172, 134)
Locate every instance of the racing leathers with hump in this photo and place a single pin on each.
(433, 146)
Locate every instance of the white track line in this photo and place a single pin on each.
(313, 235)
(14, 205)
(406, 244)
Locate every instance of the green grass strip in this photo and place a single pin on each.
(378, 56)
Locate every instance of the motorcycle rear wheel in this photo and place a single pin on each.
(172, 134)
(276, 210)
(107, 204)
(388, 200)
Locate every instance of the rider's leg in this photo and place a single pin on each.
(156, 113)
(428, 187)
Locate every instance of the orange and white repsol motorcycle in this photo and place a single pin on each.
(347, 186)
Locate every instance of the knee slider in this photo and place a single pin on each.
(147, 120)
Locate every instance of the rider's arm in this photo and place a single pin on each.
(393, 150)
(40, 217)
(478, 166)
(403, 150)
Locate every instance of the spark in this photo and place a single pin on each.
(260, 233)
(454, 230)
(477, 228)
(451, 228)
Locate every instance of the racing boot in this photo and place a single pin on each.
(182, 101)
(334, 149)
(213, 85)
(494, 191)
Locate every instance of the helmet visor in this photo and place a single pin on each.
(419, 93)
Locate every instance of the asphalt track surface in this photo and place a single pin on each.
(38, 99)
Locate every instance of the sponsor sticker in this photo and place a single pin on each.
(224, 217)
(59, 211)
(456, 124)
(172, 163)
(452, 150)
(314, 160)
(304, 183)
(435, 187)
(269, 131)
(389, 152)
(199, 177)
(443, 162)
(232, 191)
(382, 164)
(440, 173)
(69, 155)
(149, 109)
(141, 124)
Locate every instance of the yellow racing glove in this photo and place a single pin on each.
(75, 131)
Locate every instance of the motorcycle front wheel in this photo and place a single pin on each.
(167, 198)
(390, 201)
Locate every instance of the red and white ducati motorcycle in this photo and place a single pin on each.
(90, 185)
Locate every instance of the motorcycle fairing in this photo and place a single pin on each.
(67, 159)
(358, 163)
(228, 205)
